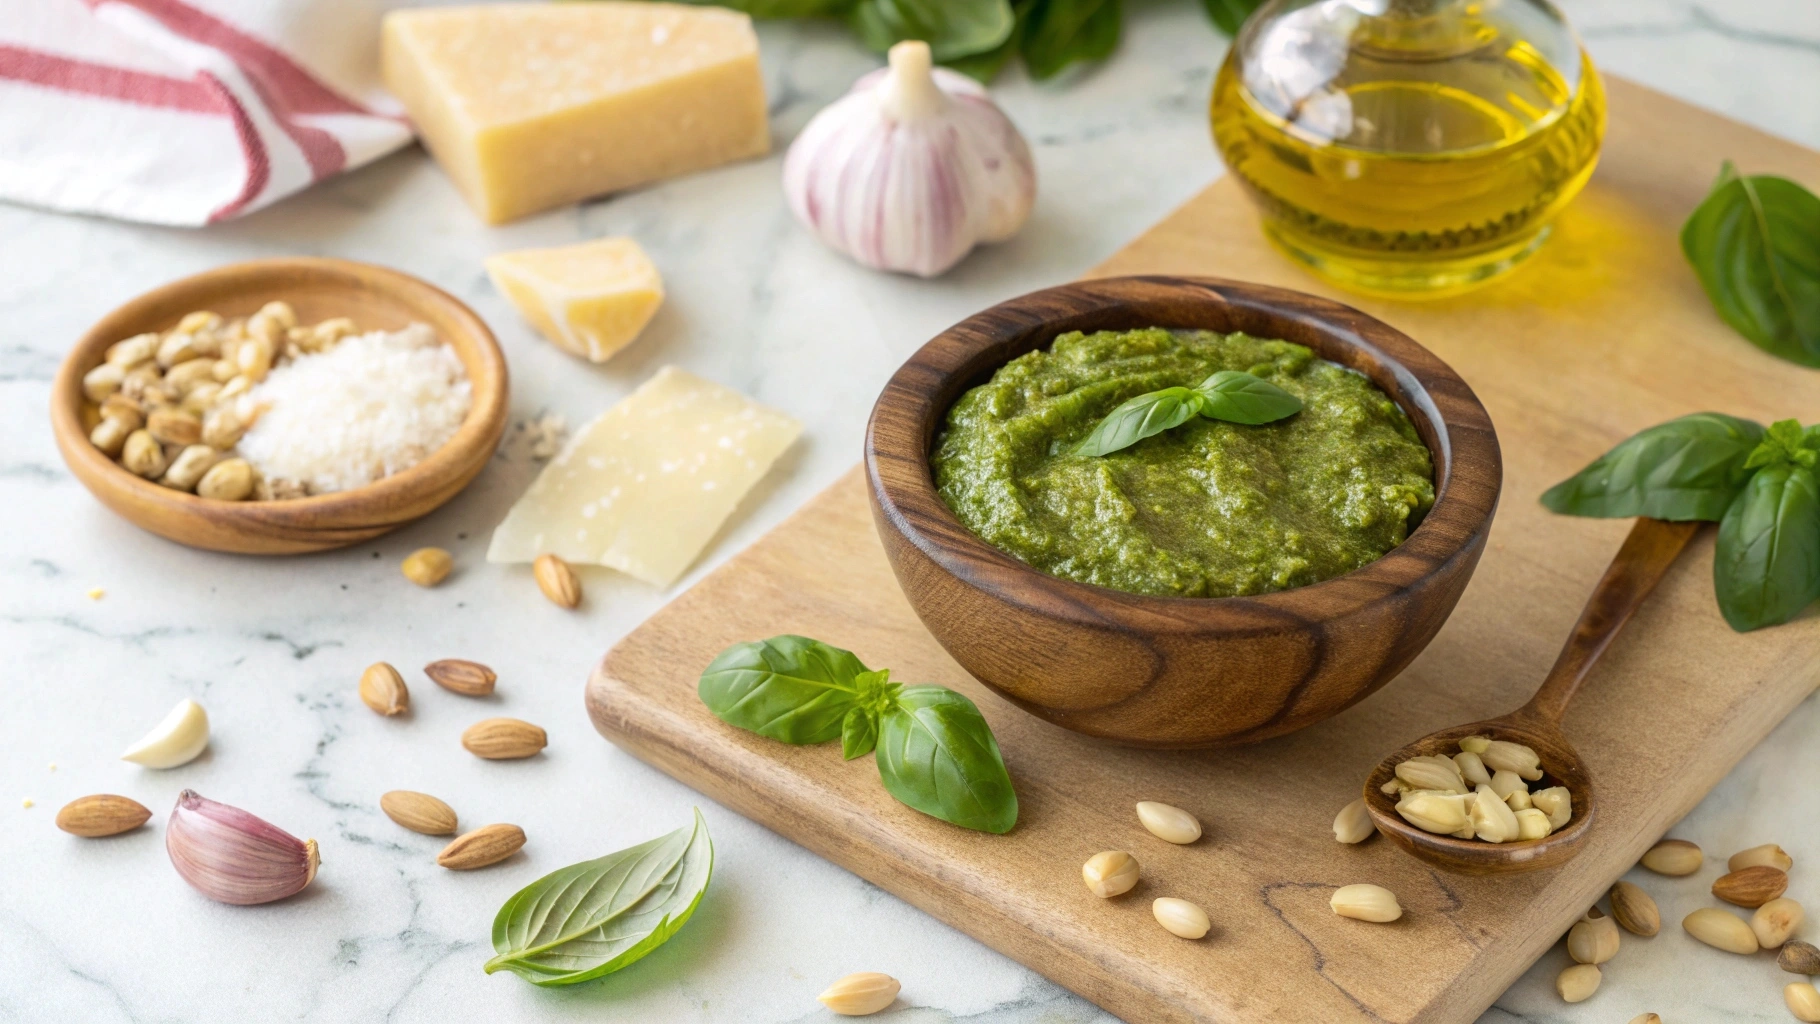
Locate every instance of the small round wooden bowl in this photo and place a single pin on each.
(375, 298)
(1178, 672)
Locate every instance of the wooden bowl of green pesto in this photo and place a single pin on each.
(1279, 635)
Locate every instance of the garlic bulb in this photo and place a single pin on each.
(234, 857)
(178, 740)
(911, 169)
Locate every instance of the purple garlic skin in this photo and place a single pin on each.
(911, 169)
(234, 857)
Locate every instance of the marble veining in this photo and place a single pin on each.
(102, 932)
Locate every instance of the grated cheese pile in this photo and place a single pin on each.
(374, 405)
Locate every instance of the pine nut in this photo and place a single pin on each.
(1180, 917)
(1108, 874)
(1578, 983)
(1353, 823)
(1366, 902)
(1803, 1001)
(1775, 921)
(1768, 855)
(1593, 940)
(1721, 930)
(1170, 824)
(1674, 857)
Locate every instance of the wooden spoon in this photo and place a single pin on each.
(1647, 553)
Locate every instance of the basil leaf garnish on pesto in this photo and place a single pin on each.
(593, 918)
(1239, 397)
(1762, 486)
(1755, 244)
(788, 688)
(936, 754)
(1766, 565)
(935, 751)
(1141, 417)
(1231, 395)
(1689, 468)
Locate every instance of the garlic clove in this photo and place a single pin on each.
(178, 740)
(911, 169)
(234, 857)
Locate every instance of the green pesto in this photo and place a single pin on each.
(1207, 509)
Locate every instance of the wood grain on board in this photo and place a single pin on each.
(1604, 333)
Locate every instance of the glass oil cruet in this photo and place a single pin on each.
(1408, 147)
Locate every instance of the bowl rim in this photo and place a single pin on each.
(480, 428)
(1448, 416)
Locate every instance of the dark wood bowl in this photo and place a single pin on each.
(1178, 672)
(376, 298)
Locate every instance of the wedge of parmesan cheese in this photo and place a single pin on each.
(645, 487)
(590, 299)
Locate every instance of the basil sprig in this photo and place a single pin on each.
(593, 918)
(1229, 395)
(936, 753)
(979, 37)
(1755, 244)
(1761, 486)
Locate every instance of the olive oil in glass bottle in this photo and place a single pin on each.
(1408, 147)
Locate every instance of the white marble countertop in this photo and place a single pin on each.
(102, 932)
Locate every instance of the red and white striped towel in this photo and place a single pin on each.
(187, 111)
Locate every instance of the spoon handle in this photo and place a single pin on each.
(1647, 553)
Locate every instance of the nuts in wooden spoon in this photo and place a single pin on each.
(1353, 823)
(1111, 873)
(557, 580)
(488, 844)
(427, 567)
(1479, 793)
(383, 690)
(1721, 930)
(858, 995)
(503, 739)
(419, 812)
(102, 814)
(1634, 910)
(1803, 1001)
(1798, 957)
(1775, 921)
(1366, 902)
(1593, 939)
(1170, 824)
(1674, 857)
(1751, 887)
(468, 678)
(1767, 855)
(1578, 983)
(1180, 917)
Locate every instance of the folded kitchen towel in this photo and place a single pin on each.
(187, 111)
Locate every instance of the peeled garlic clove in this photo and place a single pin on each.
(911, 169)
(178, 740)
(233, 857)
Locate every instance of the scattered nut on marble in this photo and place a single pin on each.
(1775, 921)
(1578, 983)
(1674, 857)
(1721, 929)
(1593, 939)
(1751, 887)
(427, 567)
(1634, 910)
(1768, 855)
(858, 995)
(1798, 957)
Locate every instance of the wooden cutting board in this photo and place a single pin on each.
(1605, 332)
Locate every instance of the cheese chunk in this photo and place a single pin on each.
(645, 487)
(529, 106)
(591, 299)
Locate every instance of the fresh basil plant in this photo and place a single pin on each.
(979, 37)
(936, 753)
(1759, 485)
(593, 918)
(1755, 244)
(1229, 395)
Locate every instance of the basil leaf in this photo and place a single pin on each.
(1687, 468)
(1228, 15)
(858, 733)
(598, 916)
(1783, 442)
(952, 28)
(937, 754)
(1239, 397)
(1755, 244)
(1141, 417)
(789, 688)
(1766, 566)
(1058, 33)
